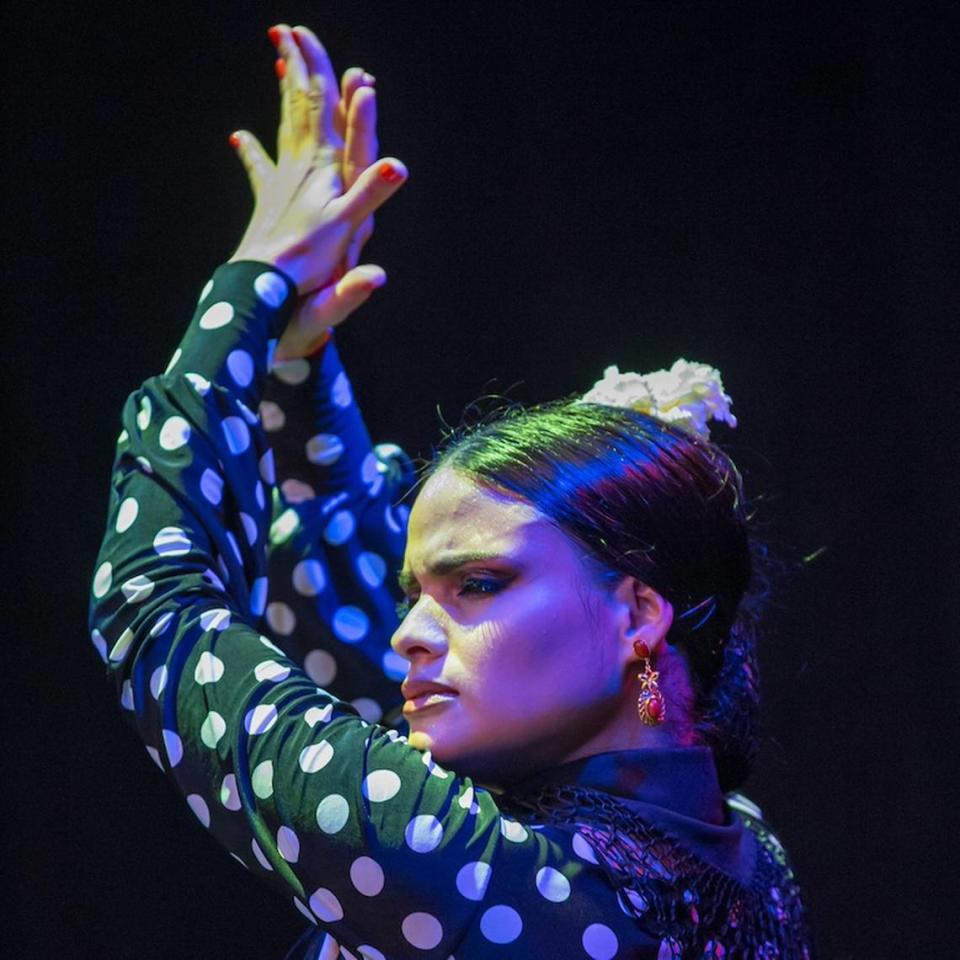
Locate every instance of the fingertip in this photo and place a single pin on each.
(235, 140)
(392, 170)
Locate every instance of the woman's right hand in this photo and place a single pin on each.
(306, 214)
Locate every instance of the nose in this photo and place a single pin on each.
(421, 632)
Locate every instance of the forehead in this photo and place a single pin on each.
(453, 512)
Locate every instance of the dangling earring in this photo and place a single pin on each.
(651, 706)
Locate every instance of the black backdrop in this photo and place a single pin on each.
(768, 188)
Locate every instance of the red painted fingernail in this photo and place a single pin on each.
(389, 173)
(274, 34)
(234, 140)
(281, 68)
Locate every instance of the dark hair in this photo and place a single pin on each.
(653, 501)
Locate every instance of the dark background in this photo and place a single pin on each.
(769, 188)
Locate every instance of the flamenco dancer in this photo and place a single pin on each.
(553, 777)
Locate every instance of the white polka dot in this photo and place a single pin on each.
(211, 486)
(271, 416)
(199, 383)
(268, 470)
(259, 495)
(372, 568)
(465, 800)
(296, 491)
(324, 449)
(144, 413)
(435, 769)
(213, 580)
(172, 542)
(122, 438)
(271, 288)
(158, 681)
(392, 520)
(381, 785)
(422, 930)
(320, 666)
(174, 360)
(122, 647)
(271, 646)
(258, 596)
(217, 315)
(293, 372)
(332, 813)
(394, 666)
(583, 849)
(339, 528)
(229, 794)
(600, 942)
(350, 624)
(216, 619)
(126, 701)
(174, 747)
(102, 579)
(212, 729)
(340, 392)
(288, 843)
(163, 621)
(240, 366)
(423, 833)
(153, 753)
(260, 719)
(137, 589)
(145, 464)
(209, 668)
(260, 855)
(315, 757)
(473, 878)
(367, 876)
(305, 910)
(174, 433)
(513, 831)
(501, 924)
(309, 578)
(205, 292)
(127, 514)
(325, 905)
(236, 433)
(281, 618)
(100, 643)
(199, 806)
(271, 671)
(234, 547)
(317, 715)
(261, 779)
(368, 708)
(372, 953)
(552, 884)
(249, 527)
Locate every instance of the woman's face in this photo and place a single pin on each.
(503, 611)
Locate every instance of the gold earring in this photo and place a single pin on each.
(651, 706)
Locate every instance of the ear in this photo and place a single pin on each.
(642, 614)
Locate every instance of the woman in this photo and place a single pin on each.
(577, 668)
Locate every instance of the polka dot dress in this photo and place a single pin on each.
(243, 603)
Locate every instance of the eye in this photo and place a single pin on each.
(480, 585)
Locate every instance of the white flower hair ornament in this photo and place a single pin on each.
(687, 395)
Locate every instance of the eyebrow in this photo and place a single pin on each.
(445, 565)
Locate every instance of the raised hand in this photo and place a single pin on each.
(314, 207)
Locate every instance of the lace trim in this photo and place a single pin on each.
(695, 908)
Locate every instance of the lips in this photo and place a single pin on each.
(423, 694)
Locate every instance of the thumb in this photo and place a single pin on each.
(332, 305)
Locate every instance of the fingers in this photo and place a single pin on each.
(375, 185)
(322, 86)
(353, 78)
(254, 158)
(360, 149)
(319, 312)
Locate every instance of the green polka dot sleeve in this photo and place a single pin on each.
(384, 853)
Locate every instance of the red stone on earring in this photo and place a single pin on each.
(641, 649)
